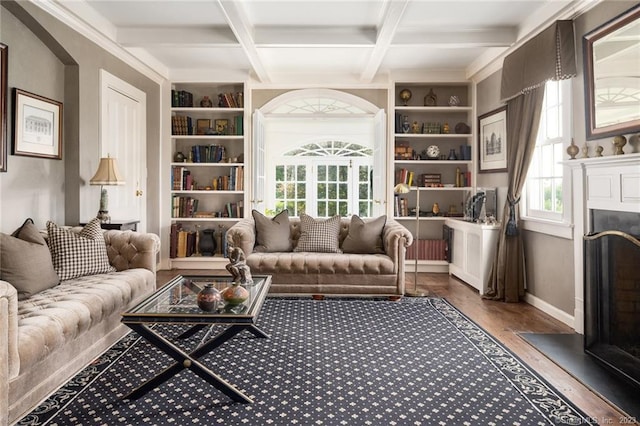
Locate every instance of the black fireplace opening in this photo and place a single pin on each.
(612, 292)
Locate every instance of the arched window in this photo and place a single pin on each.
(318, 148)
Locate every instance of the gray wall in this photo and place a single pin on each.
(48, 58)
(549, 259)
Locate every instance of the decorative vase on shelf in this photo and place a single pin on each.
(452, 154)
(454, 101)
(431, 99)
(572, 150)
(619, 142)
(208, 298)
(208, 242)
(206, 102)
(235, 294)
(599, 150)
(178, 157)
(585, 151)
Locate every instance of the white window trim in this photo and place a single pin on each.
(563, 226)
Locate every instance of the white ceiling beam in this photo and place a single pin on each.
(314, 36)
(460, 37)
(386, 32)
(177, 36)
(241, 27)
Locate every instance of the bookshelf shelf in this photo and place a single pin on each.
(417, 127)
(212, 161)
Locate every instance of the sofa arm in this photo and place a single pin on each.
(243, 234)
(129, 249)
(396, 239)
(9, 357)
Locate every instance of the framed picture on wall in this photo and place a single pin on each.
(492, 141)
(37, 126)
(4, 57)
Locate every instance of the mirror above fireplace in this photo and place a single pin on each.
(612, 77)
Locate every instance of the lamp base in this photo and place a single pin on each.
(104, 217)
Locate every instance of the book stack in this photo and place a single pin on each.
(182, 242)
(404, 176)
(208, 153)
(230, 100)
(181, 125)
(427, 250)
(183, 206)
(181, 179)
(181, 98)
(400, 206)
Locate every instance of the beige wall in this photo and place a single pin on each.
(48, 58)
(549, 259)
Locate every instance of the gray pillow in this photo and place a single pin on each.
(25, 261)
(364, 237)
(272, 234)
(319, 235)
(78, 254)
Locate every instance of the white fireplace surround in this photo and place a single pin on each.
(607, 183)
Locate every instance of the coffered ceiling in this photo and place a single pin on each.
(290, 40)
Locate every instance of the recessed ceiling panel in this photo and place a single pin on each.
(418, 57)
(313, 60)
(201, 57)
(159, 13)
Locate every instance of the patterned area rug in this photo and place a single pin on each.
(330, 362)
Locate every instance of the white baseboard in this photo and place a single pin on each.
(551, 310)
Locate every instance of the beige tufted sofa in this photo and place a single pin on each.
(328, 273)
(47, 338)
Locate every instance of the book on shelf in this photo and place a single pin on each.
(181, 179)
(183, 206)
(400, 206)
(181, 98)
(181, 125)
(231, 100)
(212, 153)
(405, 176)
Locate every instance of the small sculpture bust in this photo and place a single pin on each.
(237, 266)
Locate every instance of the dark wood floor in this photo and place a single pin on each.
(504, 321)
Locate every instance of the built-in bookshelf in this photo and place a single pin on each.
(207, 187)
(433, 157)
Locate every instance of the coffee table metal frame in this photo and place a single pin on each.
(152, 310)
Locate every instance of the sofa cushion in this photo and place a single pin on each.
(319, 235)
(307, 264)
(364, 237)
(272, 234)
(25, 261)
(78, 254)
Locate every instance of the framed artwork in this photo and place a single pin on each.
(492, 141)
(222, 126)
(37, 126)
(4, 57)
(202, 126)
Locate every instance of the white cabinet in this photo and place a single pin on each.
(473, 249)
(208, 145)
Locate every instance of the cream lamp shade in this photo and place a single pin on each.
(401, 188)
(107, 173)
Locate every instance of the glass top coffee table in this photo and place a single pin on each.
(175, 303)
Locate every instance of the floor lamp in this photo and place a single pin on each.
(106, 175)
(403, 188)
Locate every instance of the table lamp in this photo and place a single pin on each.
(107, 174)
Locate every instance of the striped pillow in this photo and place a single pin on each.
(318, 235)
(78, 254)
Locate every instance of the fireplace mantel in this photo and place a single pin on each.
(609, 183)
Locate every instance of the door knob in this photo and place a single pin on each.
(138, 193)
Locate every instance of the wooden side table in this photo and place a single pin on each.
(120, 225)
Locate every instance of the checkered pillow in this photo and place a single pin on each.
(319, 235)
(78, 254)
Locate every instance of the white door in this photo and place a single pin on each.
(258, 162)
(123, 136)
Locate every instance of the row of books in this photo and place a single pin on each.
(182, 125)
(427, 250)
(182, 180)
(400, 206)
(181, 98)
(183, 242)
(208, 153)
(184, 99)
(187, 207)
(405, 176)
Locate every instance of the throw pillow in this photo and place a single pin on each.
(78, 254)
(364, 237)
(318, 235)
(25, 261)
(272, 234)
